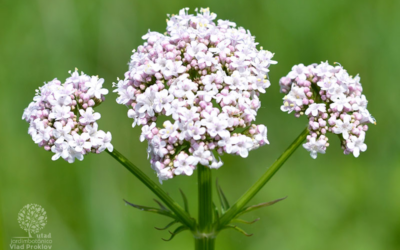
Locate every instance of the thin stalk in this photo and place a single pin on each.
(239, 205)
(205, 236)
(155, 188)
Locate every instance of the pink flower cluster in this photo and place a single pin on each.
(201, 82)
(62, 118)
(333, 102)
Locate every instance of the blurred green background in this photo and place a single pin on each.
(334, 202)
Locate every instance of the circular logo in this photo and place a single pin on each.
(32, 218)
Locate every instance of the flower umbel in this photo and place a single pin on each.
(333, 102)
(62, 119)
(205, 78)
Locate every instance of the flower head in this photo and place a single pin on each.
(62, 119)
(333, 102)
(205, 78)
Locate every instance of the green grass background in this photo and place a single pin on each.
(334, 202)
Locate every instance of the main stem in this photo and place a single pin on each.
(205, 235)
(155, 188)
(239, 205)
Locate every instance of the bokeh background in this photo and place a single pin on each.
(334, 202)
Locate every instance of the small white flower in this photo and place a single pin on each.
(242, 145)
(222, 47)
(261, 136)
(195, 48)
(201, 156)
(43, 134)
(340, 102)
(360, 103)
(240, 62)
(80, 142)
(60, 99)
(95, 87)
(356, 144)
(324, 69)
(146, 130)
(62, 133)
(206, 58)
(216, 164)
(105, 143)
(94, 134)
(315, 146)
(60, 150)
(158, 146)
(235, 81)
(343, 126)
(87, 116)
(60, 113)
(184, 164)
(173, 69)
(145, 103)
(162, 101)
(299, 71)
(169, 130)
(194, 130)
(126, 95)
(327, 83)
(314, 108)
(173, 110)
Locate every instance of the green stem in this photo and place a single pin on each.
(239, 205)
(205, 235)
(155, 188)
(205, 199)
(205, 243)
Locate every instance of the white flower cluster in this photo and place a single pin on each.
(62, 118)
(333, 102)
(207, 77)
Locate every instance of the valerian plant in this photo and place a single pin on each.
(203, 79)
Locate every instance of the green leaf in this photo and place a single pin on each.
(152, 210)
(222, 198)
(167, 226)
(185, 201)
(252, 208)
(237, 229)
(161, 205)
(216, 213)
(177, 231)
(245, 222)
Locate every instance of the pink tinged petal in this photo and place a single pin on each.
(188, 171)
(315, 112)
(104, 91)
(55, 157)
(345, 135)
(302, 77)
(356, 152)
(244, 153)
(85, 136)
(87, 145)
(314, 155)
(96, 116)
